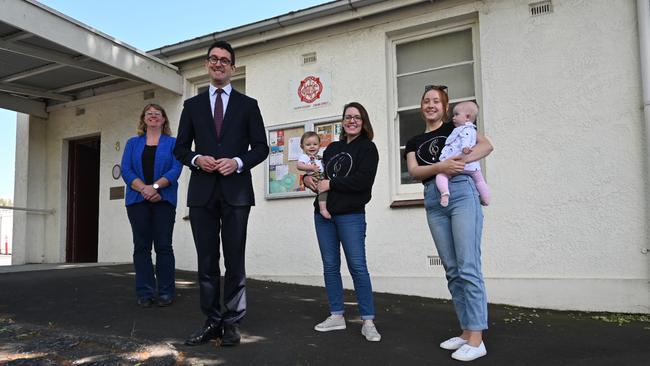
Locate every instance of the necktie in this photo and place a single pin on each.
(218, 112)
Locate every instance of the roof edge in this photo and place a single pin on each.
(278, 22)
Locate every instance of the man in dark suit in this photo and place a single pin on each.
(229, 139)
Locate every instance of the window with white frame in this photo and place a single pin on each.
(436, 58)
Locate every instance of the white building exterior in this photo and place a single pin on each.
(561, 100)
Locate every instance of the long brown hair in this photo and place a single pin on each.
(142, 127)
(366, 126)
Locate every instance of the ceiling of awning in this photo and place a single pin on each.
(47, 58)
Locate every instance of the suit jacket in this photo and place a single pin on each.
(242, 135)
(165, 165)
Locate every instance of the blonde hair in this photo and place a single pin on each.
(142, 127)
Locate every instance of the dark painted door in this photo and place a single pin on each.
(83, 200)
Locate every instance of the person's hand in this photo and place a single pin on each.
(453, 166)
(206, 163)
(315, 168)
(147, 192)
(323, 185)
(226, 166)
(467, 150)
(155, 198)
(310, 183)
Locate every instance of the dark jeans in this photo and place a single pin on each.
(153, 223)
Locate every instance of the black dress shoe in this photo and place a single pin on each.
(231, 336)
(207, 332)
(165, 301)
(145, 302)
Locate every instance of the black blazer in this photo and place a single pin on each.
(242, 128)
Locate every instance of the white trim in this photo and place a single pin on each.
(23, 105)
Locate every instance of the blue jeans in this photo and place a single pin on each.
(456, 231)
(348, 231)
(153, 223)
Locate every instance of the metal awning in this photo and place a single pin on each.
(47, 58)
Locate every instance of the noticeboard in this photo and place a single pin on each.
(283, 179)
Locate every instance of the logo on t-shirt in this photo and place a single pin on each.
(339, 165)
(429, 151)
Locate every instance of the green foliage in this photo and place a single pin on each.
(622, 318)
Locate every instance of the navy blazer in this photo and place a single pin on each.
(165, 165)
(242, 135)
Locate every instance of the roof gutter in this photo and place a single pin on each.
(302, 17)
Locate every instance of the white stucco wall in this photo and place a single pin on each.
(562, 105)
(561, 102)
(114, 118)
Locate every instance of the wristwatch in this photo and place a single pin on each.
(156, 186)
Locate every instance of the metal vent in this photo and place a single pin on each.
(80, 111)
(540, 8)
(309, 58)
(434, 260)
(148, 94)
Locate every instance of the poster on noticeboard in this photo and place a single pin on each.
(283, 179)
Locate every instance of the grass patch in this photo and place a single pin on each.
(622, 319)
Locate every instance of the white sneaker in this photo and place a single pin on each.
(370, 332)
(331, 323)
(469, 353)
(453, 343)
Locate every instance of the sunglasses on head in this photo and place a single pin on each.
(435, 87)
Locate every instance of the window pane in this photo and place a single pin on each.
(239, 85)
(434, 52)
(459, 79)
(405, 177)
(411, 123)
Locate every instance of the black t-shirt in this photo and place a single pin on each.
(429, 145)
(148, 158)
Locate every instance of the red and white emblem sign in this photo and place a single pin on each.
(310, 89)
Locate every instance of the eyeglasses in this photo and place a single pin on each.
(153, 114)
(348, 118)
(212, 60)
(435, 87)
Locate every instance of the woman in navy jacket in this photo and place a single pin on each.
(151, 172)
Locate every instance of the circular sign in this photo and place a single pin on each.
(117, 171)
(310, 89)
